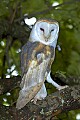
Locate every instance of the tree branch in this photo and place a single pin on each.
(58, 102)
(8, 84)
(45, 11)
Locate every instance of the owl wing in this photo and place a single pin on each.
(34, 63)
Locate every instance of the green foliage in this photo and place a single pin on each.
(3, 8)
(74, 61)
(30, 6)
(13, 34)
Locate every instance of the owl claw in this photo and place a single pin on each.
(35, 100)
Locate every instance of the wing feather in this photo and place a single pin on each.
(34, 80)
(35, 61)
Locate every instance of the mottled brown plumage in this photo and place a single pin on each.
(31, 50)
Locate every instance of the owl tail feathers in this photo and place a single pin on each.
(25, 95)
(21, 101)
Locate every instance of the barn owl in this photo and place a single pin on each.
(36, 58)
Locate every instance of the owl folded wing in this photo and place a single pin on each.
(34, 73)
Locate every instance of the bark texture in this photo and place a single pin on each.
(54, 104)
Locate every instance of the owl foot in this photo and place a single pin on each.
(50, 80)
(62, 87)
(34, 100)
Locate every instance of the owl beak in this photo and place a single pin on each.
(46, 39)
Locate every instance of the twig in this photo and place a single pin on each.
(14, 13)
(46, 11)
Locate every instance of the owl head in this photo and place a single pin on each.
(45, 31)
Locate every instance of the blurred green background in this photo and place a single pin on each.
(14, 33)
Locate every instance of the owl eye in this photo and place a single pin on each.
(42, 29)
(52, 30)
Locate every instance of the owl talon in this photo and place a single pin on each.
(34, 100)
